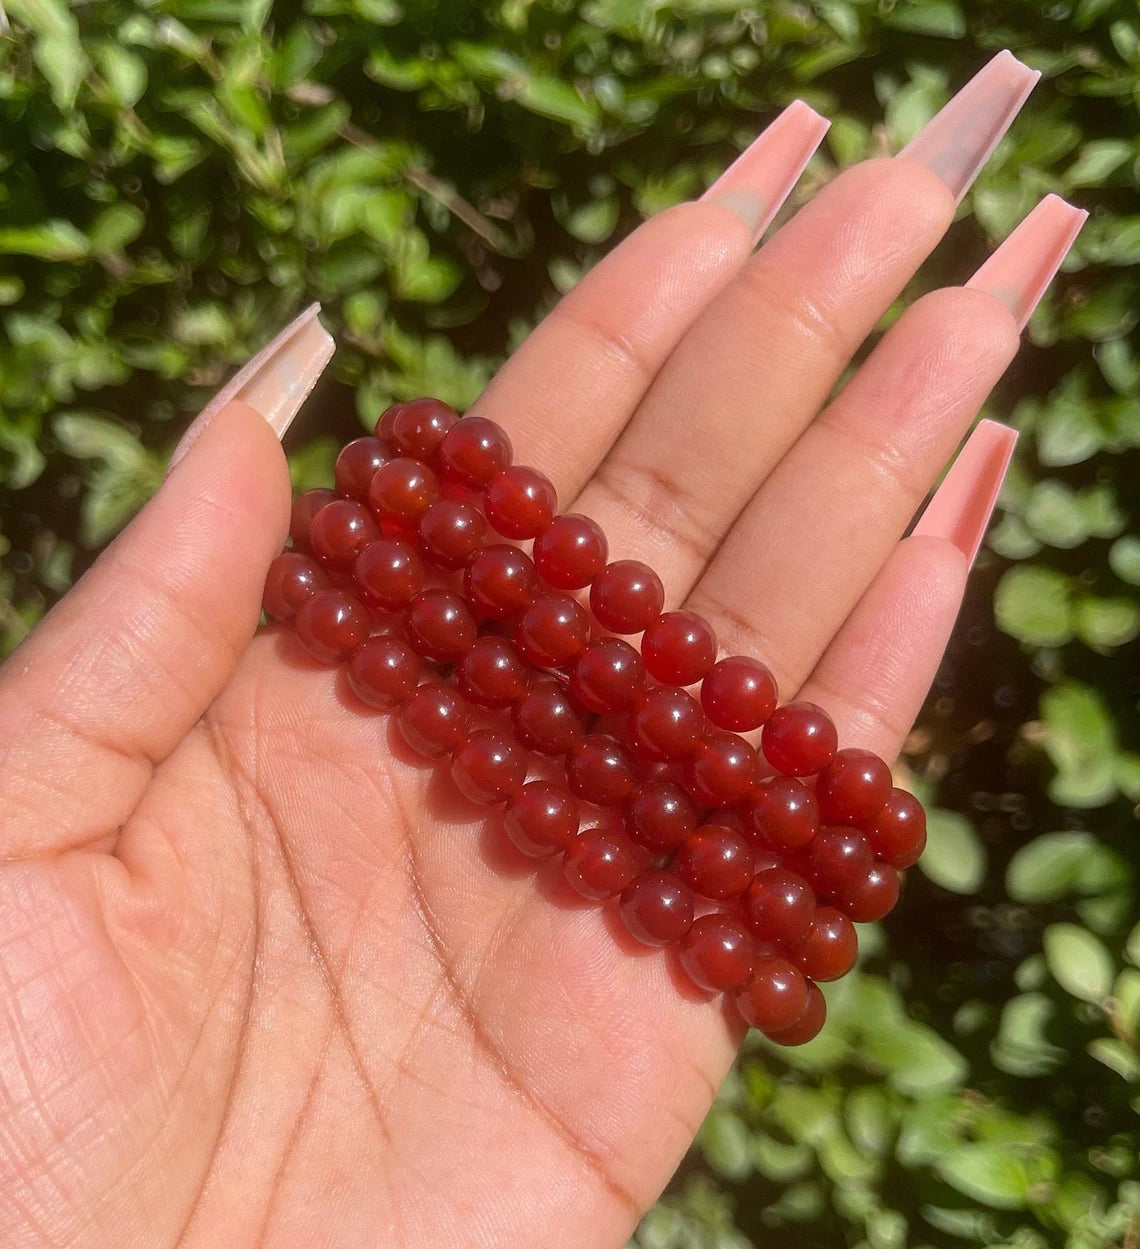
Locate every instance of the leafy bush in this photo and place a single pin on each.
(181, 176)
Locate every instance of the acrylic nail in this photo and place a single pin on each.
(961, 507)
(276, 382)
(956, 143)
(1020, 271)
(762, 177)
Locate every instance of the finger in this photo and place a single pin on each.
(760, 362)
(113, 678)
(567, 392)
(874, 676)
(829, 514)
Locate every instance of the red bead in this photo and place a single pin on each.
(723, 770)
(799, 739)
(831, 946)
(291, 581)
(546, 720)
(440, 625)
(667, 724)
(402, 491)
(434, 720)
(627, 596)
(715, 862)
(678, 648)
(385, 425)
(718, 953)
(853, 786)
(520, 502)
(500, 582)
(776, 996)
(739, 694)
(656, 908)
(553, 631)
(389, 573)
(331, 625)
(601, 862)
(600, 770)
(871, 897)
(809, 1025)
(608, 676)
(418, 427)
(661, 815)
(384, 671)
(784, 813)
(493, 673)
(473, 451)
(898, 831)
(305, 507)
(341, 530)
(488, 768)
(356, 466)
(836, 857)
(541, 819)
(451, 533)
(570, 552)
(779, 906)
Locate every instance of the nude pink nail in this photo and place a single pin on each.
(276, 382)
(762, 177)
(962, 505)
(1020, 271)
(957, 142)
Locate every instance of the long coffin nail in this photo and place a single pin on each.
(962, 505)
(276, 382)
(1020, 271)
(761, 178)
(957, 142)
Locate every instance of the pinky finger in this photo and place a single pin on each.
(875, 675)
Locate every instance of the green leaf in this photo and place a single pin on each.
(988, 1173)
(954, 856)
(1105, 623)
(123, 71)
(51, 240)
(550, 97)
(1078, 961)
(1034, 605)
(1058, 864)
(916, 1058)
(594, 221)
(1080, 738)
(115, 227)
(1116, 1055)
(1098, 160)
(1124, 559)
(942, 18)
(725, 1142)
(1021, 1047)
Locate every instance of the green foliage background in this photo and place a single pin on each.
(179, 177)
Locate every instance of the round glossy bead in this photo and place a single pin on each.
(660, 815)
(546, 720)
(451, 533)
(474, 450)
(872, 896)
(722, 771)
(779, 906)
(799, 739)
(384, 671)
(440, 625)
(600, 862)
(715, 862)
(775, 997)
(487, 768)
(291, 581)
(627, 596)
(500, 582)
(386, 422)
(493, 673)
(356, 466)
(341, 530)
(401, 491)
(418, 427)
(739, 694)
(541, 819)
(608, 676)
(678, 648)
(837, 857)
(600, 770)
(809, 1025)
(305, 507)
(717, 953)
(853, 786)
(434, 720)
(667, 724)
(570, 552)
(831, 946)
(520, 502)
(389, 573)
(783, 813)
(331, 625)
(656, 908)
(897, 832)
(553, 631)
